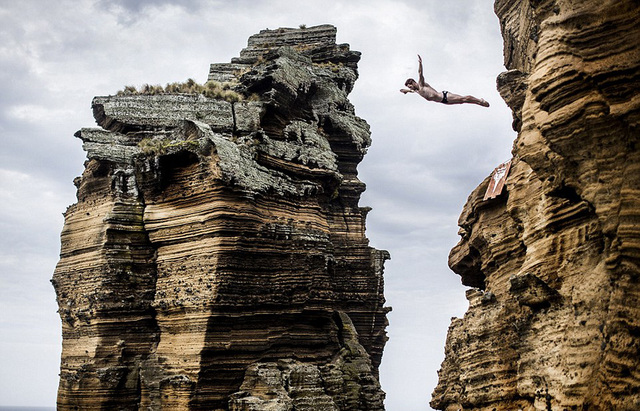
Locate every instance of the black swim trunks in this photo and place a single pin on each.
(444, 97)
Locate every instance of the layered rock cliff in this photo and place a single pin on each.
(554, 315)
(216, 257)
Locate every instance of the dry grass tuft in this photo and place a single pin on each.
(211, 89)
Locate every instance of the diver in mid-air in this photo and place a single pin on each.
(425, 90)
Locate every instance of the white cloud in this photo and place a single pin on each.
(37, 114)
(30, 225)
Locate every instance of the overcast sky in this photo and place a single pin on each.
(425, 158)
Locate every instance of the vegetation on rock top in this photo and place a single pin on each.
(211, 89)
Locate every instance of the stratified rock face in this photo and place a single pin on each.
(554, 320)
(216, 257)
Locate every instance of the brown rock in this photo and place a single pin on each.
(216, 257)
(554, 321)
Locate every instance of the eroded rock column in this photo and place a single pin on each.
(216, 257)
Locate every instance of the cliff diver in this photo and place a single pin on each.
(425, 90)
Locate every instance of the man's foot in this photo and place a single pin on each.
(484, 103)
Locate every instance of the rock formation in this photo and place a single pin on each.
(216, 258)
(554, 315)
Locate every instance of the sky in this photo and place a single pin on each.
(426, 158)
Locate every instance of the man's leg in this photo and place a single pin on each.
(453, 98)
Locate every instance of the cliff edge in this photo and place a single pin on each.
(216, 257)
(554, 315)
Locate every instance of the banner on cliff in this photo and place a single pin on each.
(498, 179)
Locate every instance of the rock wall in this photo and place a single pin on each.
(554, 316)
(216, 257)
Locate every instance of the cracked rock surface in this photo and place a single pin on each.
(216, 257)
(554, 316)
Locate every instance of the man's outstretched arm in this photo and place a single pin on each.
(406, 90)
(421, 81)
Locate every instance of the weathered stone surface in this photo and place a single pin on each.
(512, 86)
(346, 382)
(553, 321)
(118, 113)
(216, 257)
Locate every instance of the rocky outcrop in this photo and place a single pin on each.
(216, 257)
(554, 316)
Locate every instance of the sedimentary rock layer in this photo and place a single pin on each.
(554, 318)
(216, 257)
